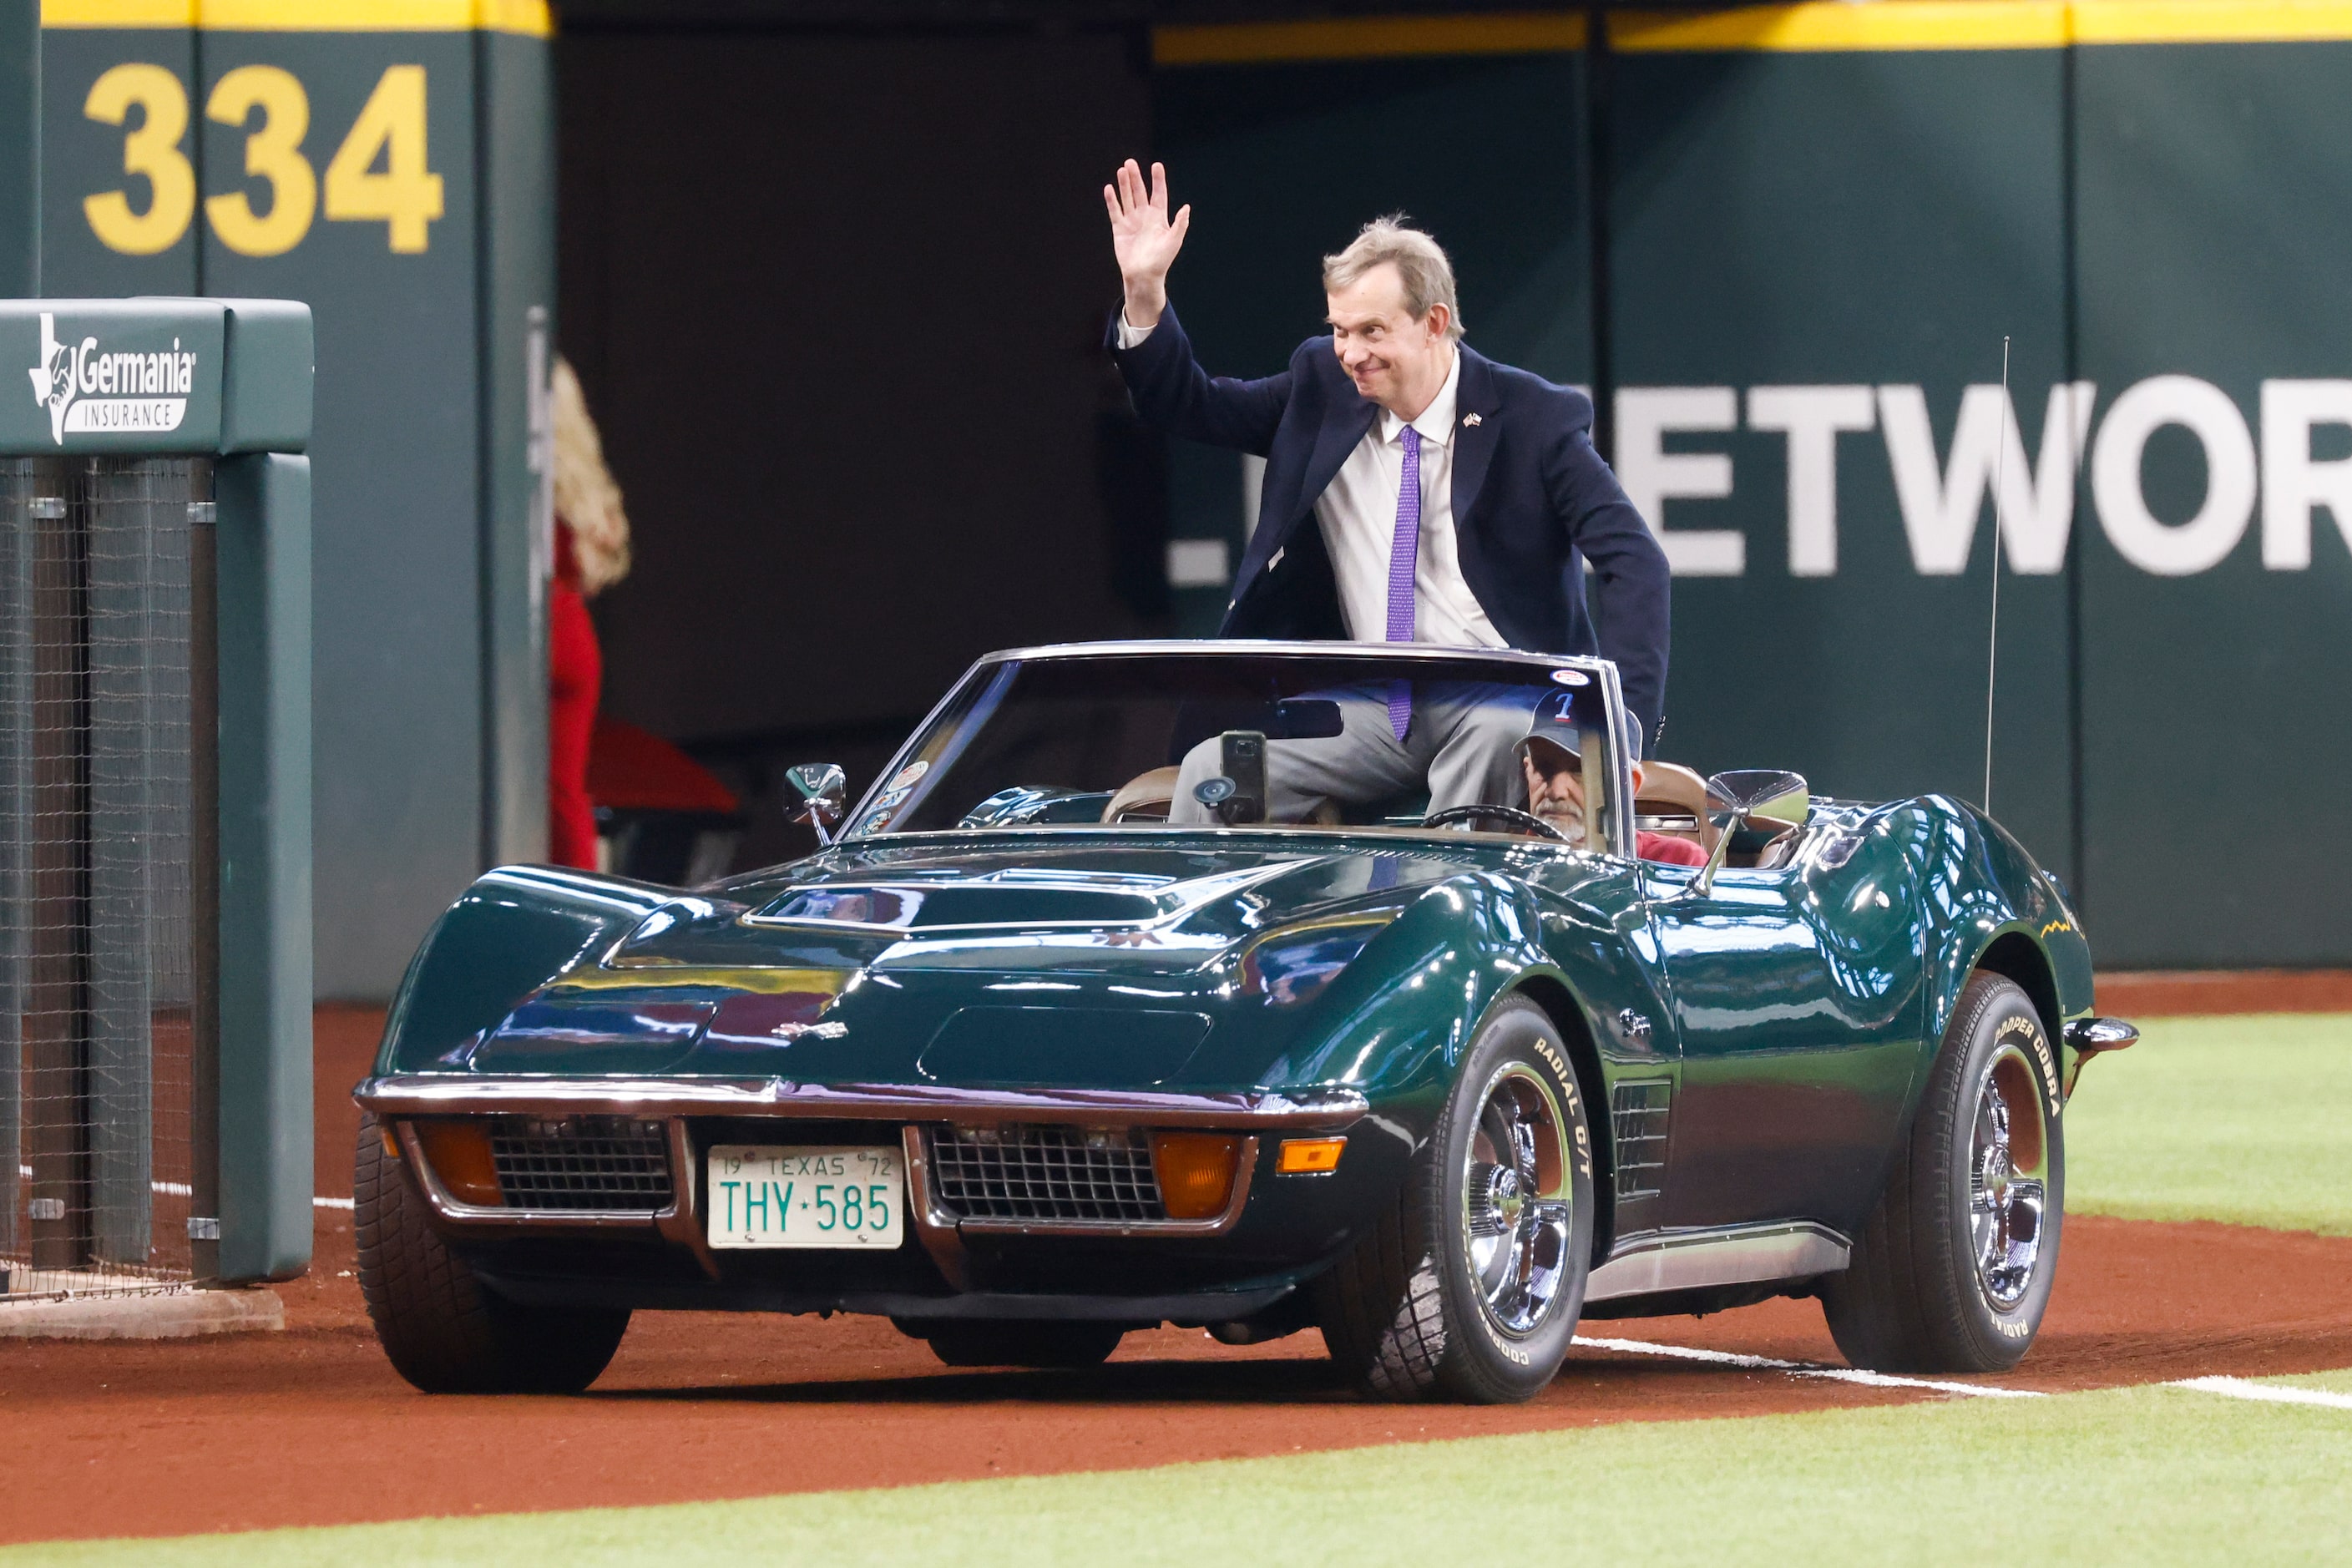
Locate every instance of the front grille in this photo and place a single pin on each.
(1637, 1113)
(587, 1162)
(1046, 1173)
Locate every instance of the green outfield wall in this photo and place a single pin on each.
(1785, 245)
(20, 148)
(390, 163)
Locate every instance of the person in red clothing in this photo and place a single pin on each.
(592, 553)
(1548, 755)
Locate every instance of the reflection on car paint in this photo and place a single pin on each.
(1296, 966)
(1793, 1009)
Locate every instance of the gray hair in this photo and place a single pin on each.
(1420, 261)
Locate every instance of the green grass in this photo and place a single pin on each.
(2332, 1382)
(2148, 1475)
(2245, 1120)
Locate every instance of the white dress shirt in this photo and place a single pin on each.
(1358, 514)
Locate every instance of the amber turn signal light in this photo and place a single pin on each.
(458, 1150)
(1195, 1171)
(1309, 1156)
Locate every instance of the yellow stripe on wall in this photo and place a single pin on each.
(529, 18)
(2211, 21)
(1266, 43)
(118, 13)
(1819, 27)
(1894, 25)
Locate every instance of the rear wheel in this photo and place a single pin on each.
(444, 1329)
(1470, 1287)
(1954, 1268)
(1019, 1342)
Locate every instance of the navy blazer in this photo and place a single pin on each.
(1530, 496)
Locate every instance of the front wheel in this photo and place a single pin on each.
(1470, 1285)
(1954, 1268)
(442, 1328)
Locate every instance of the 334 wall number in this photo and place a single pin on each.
(274, 110)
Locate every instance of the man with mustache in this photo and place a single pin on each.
(1453, 501)
(1551, 760)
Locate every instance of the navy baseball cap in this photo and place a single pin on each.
(1554, 721)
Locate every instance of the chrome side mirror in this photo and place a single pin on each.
(824, 791)
(1746, 797)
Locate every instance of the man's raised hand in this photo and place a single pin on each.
(1145, 239)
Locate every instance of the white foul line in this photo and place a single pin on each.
(2265, 1392)
(1803, 1369)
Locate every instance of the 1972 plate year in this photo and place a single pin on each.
(766, 1195)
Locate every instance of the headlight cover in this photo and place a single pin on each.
(1292, 967)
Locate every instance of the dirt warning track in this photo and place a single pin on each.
(312, 1428)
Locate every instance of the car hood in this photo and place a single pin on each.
(1018, 958)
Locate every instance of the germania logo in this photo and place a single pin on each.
(89, 392)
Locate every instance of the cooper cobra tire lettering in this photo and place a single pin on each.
(1953, 1269)
(1505, 1347)
(2029, 1029)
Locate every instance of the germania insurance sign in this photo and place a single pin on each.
(103, 376)
(83, 386)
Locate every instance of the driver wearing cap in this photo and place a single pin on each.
(1551, 755)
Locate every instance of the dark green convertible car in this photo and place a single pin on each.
(1149, 985)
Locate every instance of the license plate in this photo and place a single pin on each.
(763, 1195)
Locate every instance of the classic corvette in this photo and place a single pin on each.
(1096, 1016)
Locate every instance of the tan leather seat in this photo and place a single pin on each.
(1670, 788)
(1147, 796)
(1144, 797)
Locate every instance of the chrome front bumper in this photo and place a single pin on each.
(398, 1100)
(2090, 1037)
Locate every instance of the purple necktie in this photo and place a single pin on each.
(1404, 550)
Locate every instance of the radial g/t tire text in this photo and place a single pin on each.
(445, 1331)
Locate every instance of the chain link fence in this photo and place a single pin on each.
(98, 987)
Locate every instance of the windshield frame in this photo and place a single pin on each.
(989, 666)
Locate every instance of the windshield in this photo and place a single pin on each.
(1156, 738)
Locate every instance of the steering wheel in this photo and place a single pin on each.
(1510, 813)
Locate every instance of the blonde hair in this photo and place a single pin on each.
(1421, 262)
(587, 501)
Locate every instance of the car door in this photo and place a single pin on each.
(1796, 995)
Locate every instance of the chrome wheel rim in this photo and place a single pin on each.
(1517, 1207)
(2008, 1179)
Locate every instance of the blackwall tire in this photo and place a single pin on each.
(445, 1331)
(985, 1343)
(1469, 1288)
(1954, 1268)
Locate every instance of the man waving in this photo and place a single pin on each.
(1454, 500)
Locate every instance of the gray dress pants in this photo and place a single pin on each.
(1463, 742)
